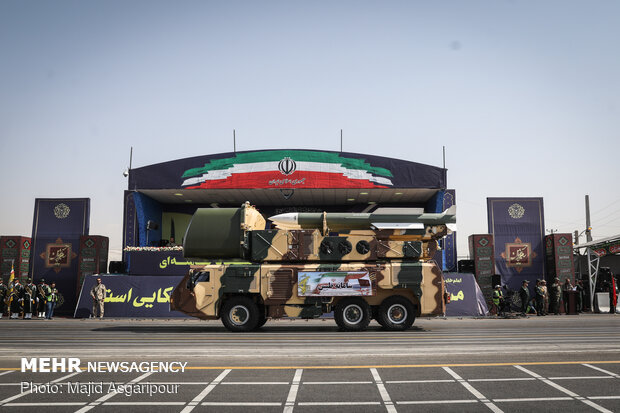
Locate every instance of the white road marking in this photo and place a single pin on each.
(611, 373)
(144, 403)
(564, 390)
(46, 404)
(385, 396)
(292, 393)
(473, 391)
(338, 403)
(439, 401)
(581, 378)
(418, 381)
(252, 383)
(191, 405)
(533, 399)
(604, 397)
(6, 372)
(241, 404)
(506, 379)
(337, 382)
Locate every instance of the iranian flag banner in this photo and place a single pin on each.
(287, 169)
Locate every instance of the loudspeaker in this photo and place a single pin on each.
(466, 266)
(496, 279)
(117, 267)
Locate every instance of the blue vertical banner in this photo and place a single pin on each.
(56, 230)
(449, 242)
(518, 226)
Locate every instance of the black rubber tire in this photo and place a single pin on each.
(396, 313)
(375, 316)
(352, 314)
(262, 317)
(240, 314)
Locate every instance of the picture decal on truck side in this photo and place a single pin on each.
(333, 283)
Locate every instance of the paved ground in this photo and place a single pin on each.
(566, 363)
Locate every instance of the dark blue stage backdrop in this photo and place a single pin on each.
(56, 230)
(518, 227)
(131, 296)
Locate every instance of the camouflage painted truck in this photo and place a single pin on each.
(360, 266)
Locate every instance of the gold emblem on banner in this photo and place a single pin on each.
(58, 255)
(518, 254)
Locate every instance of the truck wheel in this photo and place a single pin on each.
(396, 313)
(240, 314)
(352, 314)
(262, 317)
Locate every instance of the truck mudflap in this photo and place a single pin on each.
(184, 300)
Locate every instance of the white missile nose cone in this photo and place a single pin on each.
(289, 218)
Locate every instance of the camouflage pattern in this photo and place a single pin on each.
(246, 293)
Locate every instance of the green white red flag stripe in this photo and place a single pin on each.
(288, 169)
(301, 167)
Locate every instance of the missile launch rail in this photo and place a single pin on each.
(379, 270)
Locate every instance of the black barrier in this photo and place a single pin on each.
(466, 299)
(131, 296)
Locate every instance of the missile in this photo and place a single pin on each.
(382, 218)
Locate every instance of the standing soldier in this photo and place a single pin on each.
(3, 296)
(524, 294)
(579, 289)
(98, 295)
(545, 307)
(613, 295)
(15, 299)
(566, 288)
(540, 298)
(41, 300)
(498, 300)
(51, 299)
(27, 297)
(556, 294)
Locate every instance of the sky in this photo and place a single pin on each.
(524, 95)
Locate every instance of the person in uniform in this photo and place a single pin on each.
(566, 287)
(15, 299)
(556, 295)
(524, 294)
(498, 300)
(28, 299)
(4, 291)
(540, 298)
(51, 298)
(40, 298)
(613, 296)
(98, 294)
(580, 293)
(545, 307)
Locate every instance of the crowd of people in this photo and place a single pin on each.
(24, 301)
(546, 300)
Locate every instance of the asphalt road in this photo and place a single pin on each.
(554, 363)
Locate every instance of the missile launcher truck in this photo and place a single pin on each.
(383, 272)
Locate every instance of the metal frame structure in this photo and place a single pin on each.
(594, 260)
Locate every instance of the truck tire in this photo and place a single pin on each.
(240, 314)
(396, 313)
(262, 317)
(352, 314)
